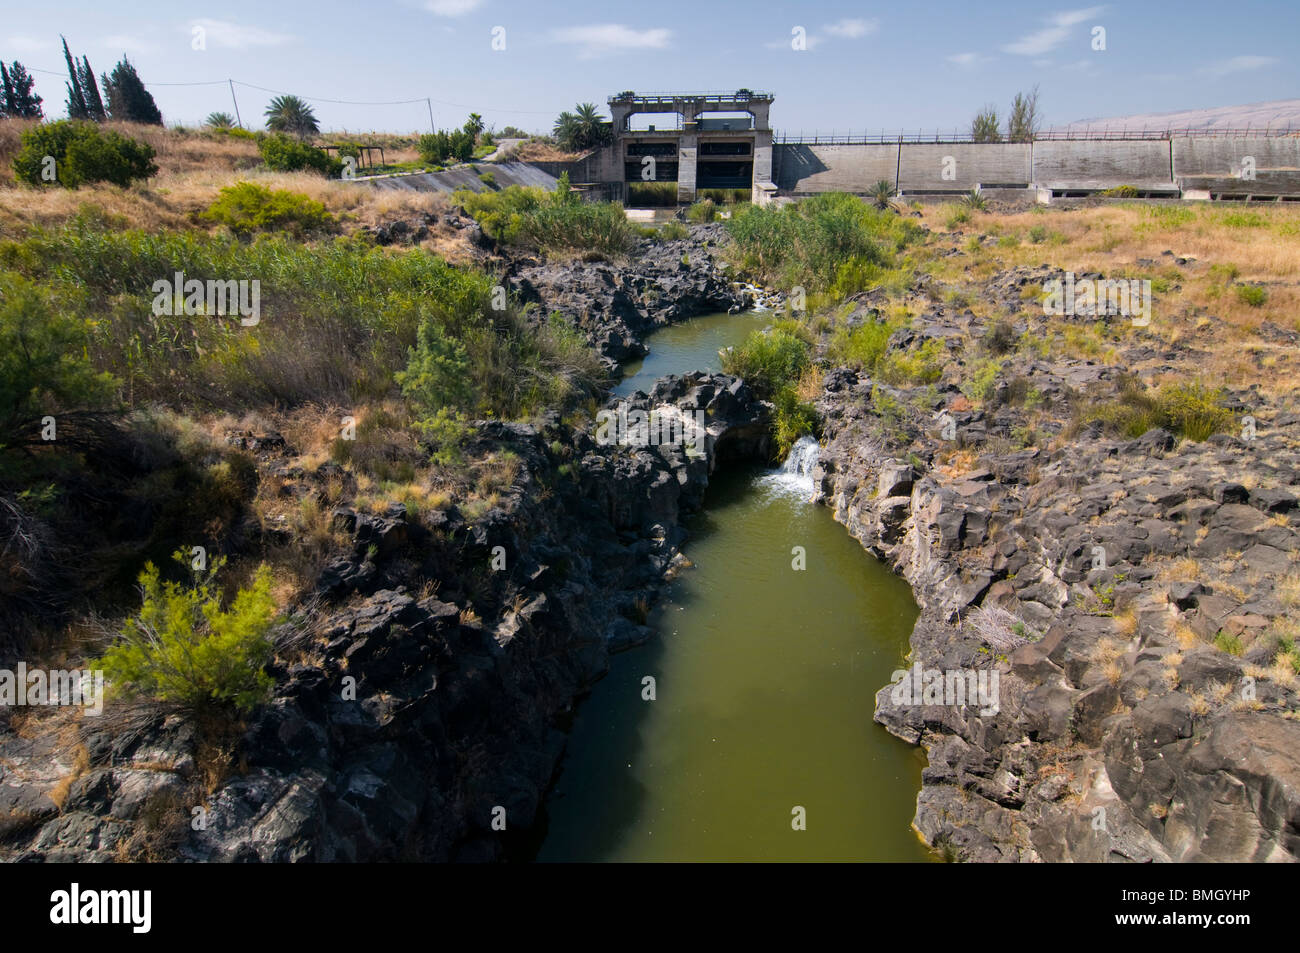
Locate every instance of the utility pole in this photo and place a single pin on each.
(238, 121)
(430, 105)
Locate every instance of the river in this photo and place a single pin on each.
(764, 678)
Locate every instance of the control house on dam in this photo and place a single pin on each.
(697, 140)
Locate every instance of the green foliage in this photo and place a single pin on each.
(128, 100)
(922, 365)
(1191, 410)
(220, 120)
(436, 373)
(283, 153)
(187, 649)
(1228, 643)
(974, 201)
(291, 114)
(706, 211)
(651, 194)
(982, 380)
(808, 243)
(1120, 192)
(1253, 295)
(999, 337)
(488, 178)
(861, 347)
(554, 222)
(337, 318)
(248, 207)
(792, 419)
(767, 361)
(82, 153)
(958, 215)
(19, 100)
(673, 231)
(984, 127)
(584, 128)
(882, 194)
(43, 364)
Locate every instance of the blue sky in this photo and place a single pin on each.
(866, 66)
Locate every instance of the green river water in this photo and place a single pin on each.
(765, 679)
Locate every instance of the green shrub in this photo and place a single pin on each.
(767, 361)
(999, 337)
(974, 201)
(979, 386)
(673, 231)
(956, 215)
(1252, 295)
(1037, 234)
(554, 222)
(44, 368)
(82, 153)
(792, 419)
(436, 374)
(1190, 410)
(438, 147)
(651, 194)
(705, 211)
(861, 347)
(923, 365)
(188, 649)
(283, 153)
(246, 207)
(1120, 192)
(1228, 643)
(809, 242)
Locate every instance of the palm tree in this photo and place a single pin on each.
(566, 130)
(220, 120)
(474, 125)
(591, 125)
(291, 114)
(882, 194)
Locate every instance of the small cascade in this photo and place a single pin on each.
(796, 474)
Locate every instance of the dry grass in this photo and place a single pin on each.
(193, 168)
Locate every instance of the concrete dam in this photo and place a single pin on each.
(724, 141)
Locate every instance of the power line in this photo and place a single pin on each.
(337, 102)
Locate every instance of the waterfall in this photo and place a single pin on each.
(796, 474)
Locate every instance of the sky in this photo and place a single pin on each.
(863, 67)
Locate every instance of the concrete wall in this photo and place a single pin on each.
(800, 168)
(924, 166)
(1216, 165)
(1101, 164)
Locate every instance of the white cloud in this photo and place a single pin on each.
(1050, 37)
(233, 36)
(604, 38)
(452, 8)
(1239, 64)
(967, 60)
(22, 43)
(852, 29)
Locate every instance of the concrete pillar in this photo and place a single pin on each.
(762, 157)
(687, 149)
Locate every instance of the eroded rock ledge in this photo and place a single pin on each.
(1096, 579)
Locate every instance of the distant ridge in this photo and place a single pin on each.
(1281, 113)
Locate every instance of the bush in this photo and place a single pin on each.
(554, 222)
(1191, 410)
(921, 366)
(44, 368)
(247, 207)
(861, 347)
(792, 419)
(436, 374)
(82, 153)
(706, 211)
(186, 648)
(488, 178)
(1120, 192)
(999, 337)
(767, 361)
(437, 147)
(673, 231)
(283, 153)
(1252, 295)
(809, 243)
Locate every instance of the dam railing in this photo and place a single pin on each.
(1048, 135)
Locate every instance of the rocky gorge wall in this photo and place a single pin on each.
(1124, 732)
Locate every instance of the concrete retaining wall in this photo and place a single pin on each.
(923, 166)
(1102, 164)
(802, 168)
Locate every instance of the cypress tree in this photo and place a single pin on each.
(20, 101)
(76, 99)
(128, 100)
(5, 107)
(90, 90)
